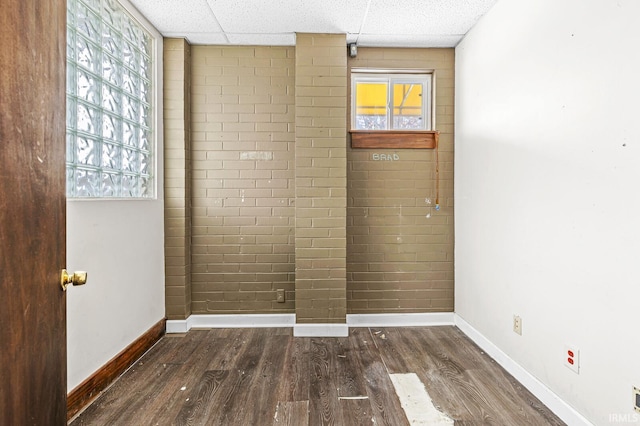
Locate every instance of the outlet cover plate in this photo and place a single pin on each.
(517, 324)
(572, 358)
(636, 399)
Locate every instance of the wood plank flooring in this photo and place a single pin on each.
(258, 377)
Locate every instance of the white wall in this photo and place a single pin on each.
(120, 243)
(547, 193)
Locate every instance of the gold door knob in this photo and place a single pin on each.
(77, 278)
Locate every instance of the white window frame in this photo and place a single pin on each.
(156, 104)
(391, 77)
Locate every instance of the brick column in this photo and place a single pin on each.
(177, 177)
(321, 184)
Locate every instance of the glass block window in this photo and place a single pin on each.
(391, 101)
(109, 102)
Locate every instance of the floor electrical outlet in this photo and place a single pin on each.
(517, 324)
(572, 359)
(280, 295)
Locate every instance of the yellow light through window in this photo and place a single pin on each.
(371, 98)
(407, 99)
(391, 102)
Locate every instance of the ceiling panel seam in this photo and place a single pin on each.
(364, 19)
(215, 18)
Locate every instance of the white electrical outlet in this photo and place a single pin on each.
(517, 324)
(636, 399)
(572, 358)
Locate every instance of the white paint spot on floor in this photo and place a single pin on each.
(416, 402)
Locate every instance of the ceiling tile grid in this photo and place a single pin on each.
(379, 23)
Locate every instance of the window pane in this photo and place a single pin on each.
(87, 151)
(71, 114)
(88, 87)
(391, 101)
(146, 187)
(111, 127)
(88, 23)
(130, 186)
(111, 155)
(112, 13)
(88, 119)
(111, 99)
(109, 111)
(110, 184)
(145, 163)
(111, 40)
(371, 106)
(87, 54)
(86, 183)
(110, 70)
(130, 160)
(407, 106)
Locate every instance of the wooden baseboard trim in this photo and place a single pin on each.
(89, 389)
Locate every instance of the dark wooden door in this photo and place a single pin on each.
(32, 212)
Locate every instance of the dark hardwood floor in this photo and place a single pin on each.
(263, 376)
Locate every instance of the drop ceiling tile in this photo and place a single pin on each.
(393, 23)
(178, 16)
(414, 17)
(394, 40)
(285, 16)
(263, 39)
(202, 38)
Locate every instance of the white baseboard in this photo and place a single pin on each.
(321, 330)
(311, 330)
(231, 321)
(560, 408)
(178, 326)
(400, 320)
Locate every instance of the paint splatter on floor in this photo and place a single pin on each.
(416, 402)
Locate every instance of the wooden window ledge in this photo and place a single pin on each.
(394, 139)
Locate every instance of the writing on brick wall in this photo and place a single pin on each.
(376, 156)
